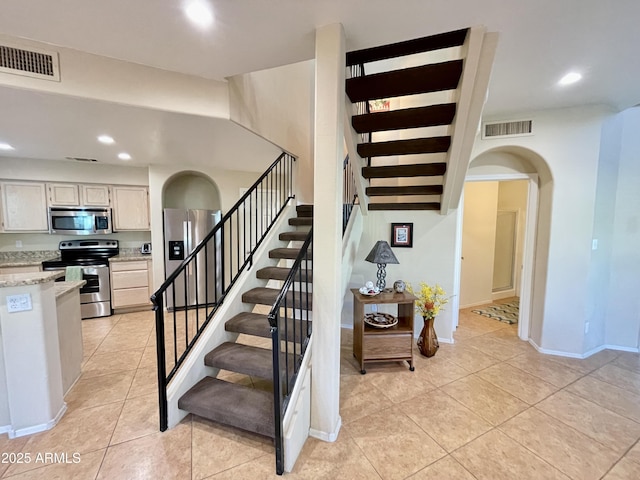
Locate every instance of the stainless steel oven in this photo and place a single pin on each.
(80, 221)
(92, 257)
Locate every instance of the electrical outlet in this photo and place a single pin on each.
(19, 303)
(586, 327)
(18, 243)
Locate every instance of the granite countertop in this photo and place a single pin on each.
(130, 255)
(27, 258)
(66, 287)
(32, 278)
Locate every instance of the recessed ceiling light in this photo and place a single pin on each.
(124, 156)
(106, 139)
(569, 78)
(5, 146)
(199, 12)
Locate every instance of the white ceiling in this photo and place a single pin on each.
(540, 41)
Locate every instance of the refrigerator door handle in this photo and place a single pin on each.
(186, 234)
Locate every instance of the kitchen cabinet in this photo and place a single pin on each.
(95, 195)
(130, 208)
(130, 284)
(24, 207)
(63, 194)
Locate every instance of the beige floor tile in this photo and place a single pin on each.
(540, 366)
(586, 365)
(448, 422)
(123, 341)
(438, 370)
(570, 451)
(498, 348)
(400, 386)
(608, 396)
(495, 456)
(484, 399)
(165, 455)
(358, 398)
(447, 468)
(263, 468)
(145, 382)
(625, 469)
(393, 443)
(67, 467)
(139, 417)
(328, 461)
(216, 447)
(469, 358)
(112, 362)
(601, 424)
(620, 377)
(149, 358)
(518, 383)
(101, 390)
(9, 446)
(80, 431)
(628, 360)
(634, 453)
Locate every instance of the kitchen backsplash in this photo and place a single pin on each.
(28, 242)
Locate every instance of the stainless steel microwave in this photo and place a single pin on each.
(80, 221)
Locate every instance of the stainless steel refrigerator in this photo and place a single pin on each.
(183, 231)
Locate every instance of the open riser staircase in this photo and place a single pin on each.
(413, 102)
(242, 393)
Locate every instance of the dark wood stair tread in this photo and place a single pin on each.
(409, 81)
(411, 146)
(408, 47)
(249, 323)
(231, 404)
(417, 117)
(296, 236)
(281, 273)
(266, 296)
(286, 253)
(417, 170)
(406, 190)
(405, 206)
(301, 221)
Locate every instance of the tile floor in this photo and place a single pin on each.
(487, 407)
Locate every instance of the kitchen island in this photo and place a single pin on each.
(40, 349)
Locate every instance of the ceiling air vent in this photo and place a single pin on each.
(80, 159)
(507, 129)
(29, 63)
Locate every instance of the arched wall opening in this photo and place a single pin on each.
(191, 190)
(513, 163)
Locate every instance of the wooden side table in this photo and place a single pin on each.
(372, 344)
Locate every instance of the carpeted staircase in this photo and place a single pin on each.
(236, 404)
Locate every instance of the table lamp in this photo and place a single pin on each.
(381, 254)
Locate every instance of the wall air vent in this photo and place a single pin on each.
(81, 159)
(29, 63)
(507, 129)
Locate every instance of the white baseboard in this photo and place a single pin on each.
(587, 354)
(21, 432)
(5, 429)
(327, 436)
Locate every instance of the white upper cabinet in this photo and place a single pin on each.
(130, 208)
(95, 195)
(24, 207)
(63, 195)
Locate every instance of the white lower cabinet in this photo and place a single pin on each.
(130, 284)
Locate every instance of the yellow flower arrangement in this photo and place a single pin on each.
(430, 299)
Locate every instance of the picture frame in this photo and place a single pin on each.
(402, 235)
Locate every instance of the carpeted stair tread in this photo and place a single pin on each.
(231, 404)
(249, 323)
(281, 273)
(301, 221)
(239, 358)
(296, 236)
(286, 253)
(266, 296)
(304, 210)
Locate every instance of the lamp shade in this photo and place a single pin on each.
(381, 253)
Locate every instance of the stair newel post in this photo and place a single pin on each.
(158, 308)
(277, 393)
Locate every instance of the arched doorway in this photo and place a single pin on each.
(517, 163)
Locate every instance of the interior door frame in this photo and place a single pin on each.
(528, 254)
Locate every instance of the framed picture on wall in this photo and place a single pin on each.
(402, 235)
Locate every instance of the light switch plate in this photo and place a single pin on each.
(19, 303)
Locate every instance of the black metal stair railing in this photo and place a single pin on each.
(349, 192)
(223, 254)
(290, 321)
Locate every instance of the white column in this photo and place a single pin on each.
(327, 231)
